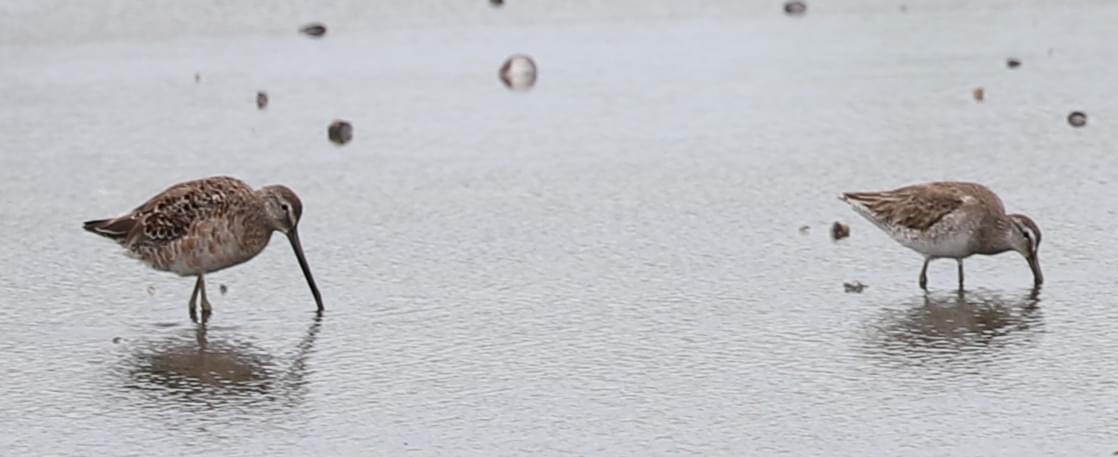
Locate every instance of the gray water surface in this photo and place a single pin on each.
(608, 264)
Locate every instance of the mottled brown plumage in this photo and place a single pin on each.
(920, 206)
(206, 225)
(949, 220)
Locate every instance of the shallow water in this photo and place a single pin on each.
(608, 264)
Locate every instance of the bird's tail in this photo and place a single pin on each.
(867, 201)
(114, 229)
(866, 204)
(864, 198)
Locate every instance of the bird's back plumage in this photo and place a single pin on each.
(919, 207)
(189, 227)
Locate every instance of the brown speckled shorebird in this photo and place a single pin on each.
(199, 227)
(952, 220)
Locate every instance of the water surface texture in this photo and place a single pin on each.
(608, 264)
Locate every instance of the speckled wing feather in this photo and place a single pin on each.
(169, 215)
(915, 207)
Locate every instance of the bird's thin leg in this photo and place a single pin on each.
(194, 300)
(960, 261)
(206, 308)
(924, 274)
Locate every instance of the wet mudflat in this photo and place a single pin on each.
(609, 264)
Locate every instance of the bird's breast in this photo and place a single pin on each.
(210, 246)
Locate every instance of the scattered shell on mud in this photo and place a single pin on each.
(1077, 119)
(519, 72)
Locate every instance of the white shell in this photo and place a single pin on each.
(519, 72)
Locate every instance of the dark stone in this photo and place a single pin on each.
(854, 287)
(795, 8)
(314, 30)
(340, 132)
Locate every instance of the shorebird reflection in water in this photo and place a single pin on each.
(952, 220)
(199, 369)
(973, 316)
(941, 332)
(199, 227)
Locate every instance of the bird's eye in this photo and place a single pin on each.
(286, 208)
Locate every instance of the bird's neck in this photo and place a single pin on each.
(994, 238)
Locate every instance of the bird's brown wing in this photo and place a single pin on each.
(915, 207)
(169, 215)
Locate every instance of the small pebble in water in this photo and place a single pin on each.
(197, 78)
(854, 287)
(223, 289)
(839, 231)
(795, 8)
(804, 229)
(151, 290)
(518, 72)
(1077, 119)
(261, 100)
(340, 132)
(116, 340)
(496, 3)
(314, 30)
(1012, 63)
(979, 94)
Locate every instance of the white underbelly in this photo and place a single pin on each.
(954, 245)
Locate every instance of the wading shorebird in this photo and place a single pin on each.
(202, 226)
(950, 220)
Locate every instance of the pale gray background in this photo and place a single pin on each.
(609, 264)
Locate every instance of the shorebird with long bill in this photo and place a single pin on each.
(950, 220)
(198, 227)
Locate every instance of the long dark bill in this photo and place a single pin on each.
(293, 236)
(1034, 264)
